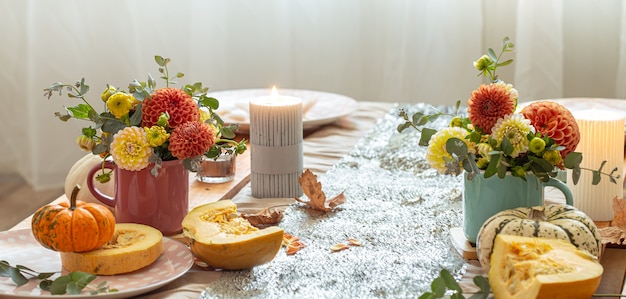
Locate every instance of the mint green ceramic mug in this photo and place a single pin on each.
(483, 198)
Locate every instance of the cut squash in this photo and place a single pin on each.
(132, 247)
(526, 267)
(224, 240)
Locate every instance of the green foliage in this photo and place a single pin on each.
(73, 283)
(543, 160)
(445, 282)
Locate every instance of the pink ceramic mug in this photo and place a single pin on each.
(159, 201)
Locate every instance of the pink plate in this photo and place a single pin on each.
(19, 247)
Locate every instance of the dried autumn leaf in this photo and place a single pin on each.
(354, 242)
(292, 244)
(612, 235)
(266, 217)
(312, 188)
(339, 247)
(619, 208)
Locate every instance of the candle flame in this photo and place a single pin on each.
(274, 92)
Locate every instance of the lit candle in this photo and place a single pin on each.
(276, 156)
(601, 139)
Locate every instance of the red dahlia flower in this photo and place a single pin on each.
(489, 103)
(554, 121)
(179, 105)
(191, 139)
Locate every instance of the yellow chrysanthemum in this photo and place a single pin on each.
(515, 127)
(156, 135)
(130, 149)
(120, 104)
(436, 154)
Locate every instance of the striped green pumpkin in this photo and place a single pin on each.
(551, 221)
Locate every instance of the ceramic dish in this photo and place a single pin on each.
(19, 247)
(318, 108)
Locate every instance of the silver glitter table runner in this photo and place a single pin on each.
(397, 206)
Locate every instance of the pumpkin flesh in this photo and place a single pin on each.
(222, 239)
(132, 247)
(526, 267)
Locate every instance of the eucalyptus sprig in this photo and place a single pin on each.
(73, 283)
(445, 281)
(489, 63)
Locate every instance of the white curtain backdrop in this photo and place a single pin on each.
(394, 51)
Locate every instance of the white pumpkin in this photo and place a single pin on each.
(551, 221)
(78, 175)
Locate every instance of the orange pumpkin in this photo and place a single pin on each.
(73, 226)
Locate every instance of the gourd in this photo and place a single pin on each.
(224, 240)
(78, 176)
(73, 226)
(551, 221)
(526, 268)
(132, 247)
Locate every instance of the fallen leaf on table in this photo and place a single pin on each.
(266, 217)
(312, 188)
(292, 244)
(619, 208)
(339, 247)
(612, 235)
(354, 242)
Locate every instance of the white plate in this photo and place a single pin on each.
(578, 104)
(19, 247)
(318, 108)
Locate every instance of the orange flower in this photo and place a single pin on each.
(179, 105)
(191, 139)
(555, 121)
(489, 103)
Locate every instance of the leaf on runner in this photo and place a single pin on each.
(292, 244)
(266, 217)
(312, 188)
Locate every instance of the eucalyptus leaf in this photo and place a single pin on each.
(403, 126)
(596, 177)
(573, 160)
(451, 283)
(438, 286)
(427, 133)
(576, 174)
(456, 146)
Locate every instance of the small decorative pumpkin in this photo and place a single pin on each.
(73, 226)
(551, 221)
(78, 176)
(224, 240)
(527, 268)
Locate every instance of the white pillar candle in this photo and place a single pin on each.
(601, 139)
(276, 156)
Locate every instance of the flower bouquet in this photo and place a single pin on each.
(496, 139)
(148, 125)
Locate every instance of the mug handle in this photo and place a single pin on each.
(561, 186)
(99, 195)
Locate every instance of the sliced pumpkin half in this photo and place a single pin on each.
(221, 238)
(132, 247)
(525, 267)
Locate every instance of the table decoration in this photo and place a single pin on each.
(398, 207)
(601, 143)
(276, 146)
(149, 136)
(493, 140)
